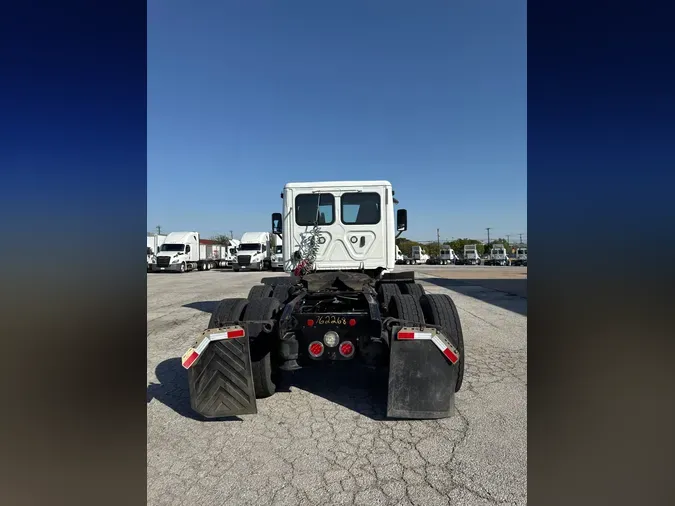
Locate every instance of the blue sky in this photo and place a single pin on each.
(244, 96)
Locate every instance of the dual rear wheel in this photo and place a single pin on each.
(432, 309)
(260, 341)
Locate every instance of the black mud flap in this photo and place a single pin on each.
(421, 377)
(220, 377)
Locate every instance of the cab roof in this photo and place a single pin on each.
(339, 184)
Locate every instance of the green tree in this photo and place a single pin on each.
(221, 239)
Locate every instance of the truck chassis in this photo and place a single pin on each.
(287, 323)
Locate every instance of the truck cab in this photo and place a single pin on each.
(521, 257)
(498, 255)
(339, 226)
(471, 256)
(178, 253)
(447, 255)
(277, 259)
(401, 259)
(254, 251)
(419, 255)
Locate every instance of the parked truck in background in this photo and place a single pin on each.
(498, 255)
(231, 253)
(419, 255)
(471, 256)
(448, 255)
(343, 305)
(254, 251)
(154, 241)
(212, 255)
(401, 259)
(277, 258)
(182, 252)
(521, 257)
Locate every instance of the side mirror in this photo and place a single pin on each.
(276, 223)
(401, 220)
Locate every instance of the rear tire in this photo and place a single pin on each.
(229, 310)
(264, 371)
(406, 307)
(385, 292)
(414, 289)
(280, 280)
(280, 293)
(439, 309)
(260, 292)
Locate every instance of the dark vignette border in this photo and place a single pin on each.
(600, 174)
(73, 159)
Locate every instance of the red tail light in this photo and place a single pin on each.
(310, 323)
(316, 349)
(352, 322)
(347, 349)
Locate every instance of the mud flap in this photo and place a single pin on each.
(220, 377)
(423, 371)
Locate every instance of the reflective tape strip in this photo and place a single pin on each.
(409, 334)
(202, 346)
(228, 334)
(189, 358)
(449, 353)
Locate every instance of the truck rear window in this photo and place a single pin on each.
(314, 208)
(360, 208)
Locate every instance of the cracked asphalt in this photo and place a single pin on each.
(323, 438)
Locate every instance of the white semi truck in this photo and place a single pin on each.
(154, 241)
(277, 258)
(521, 256)
(419, 255)
(402, 259)
(232, 250)
(498, 255)
(254, 251)
(471, 256)
(448, 255)
(182, 252)
(343, 304)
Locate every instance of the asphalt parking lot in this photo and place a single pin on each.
(324, 439)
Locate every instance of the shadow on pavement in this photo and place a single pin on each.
(509, 294)
(350, 385)
(172, 391)
(206, 306)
